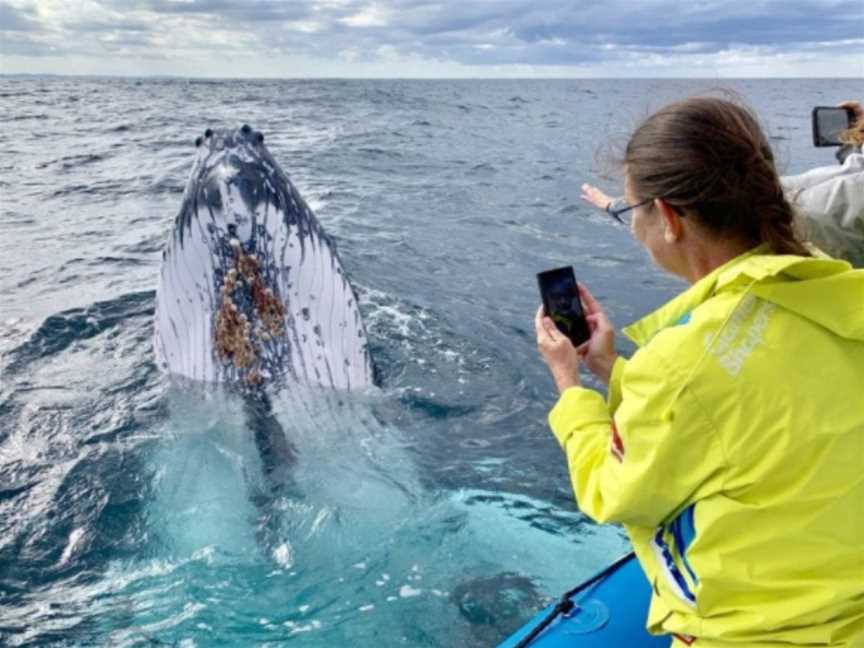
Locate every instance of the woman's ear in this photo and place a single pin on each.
(673, 227)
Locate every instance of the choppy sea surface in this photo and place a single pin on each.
(434, 511)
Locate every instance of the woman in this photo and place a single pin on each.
(829, 199)
(731, 446)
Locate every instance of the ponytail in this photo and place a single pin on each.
(778, 225)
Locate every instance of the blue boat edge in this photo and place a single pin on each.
(609, 609)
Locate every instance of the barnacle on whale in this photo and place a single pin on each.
(248, 266)
(237, 341)
(268, 307)
(232, 336)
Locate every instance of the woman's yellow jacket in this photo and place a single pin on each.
(732, 450)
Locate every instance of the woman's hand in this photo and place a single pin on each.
(558, 352)
(599, 351)
(596, 197)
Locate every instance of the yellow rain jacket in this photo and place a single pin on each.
(732, 450)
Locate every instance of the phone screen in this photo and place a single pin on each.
(828, 123)
(561, 302)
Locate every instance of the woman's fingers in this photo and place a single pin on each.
(599, 319)
(539, 329)
(591, 305)
(596, 197)
(544, 327)
(552, 332)
(595, 321)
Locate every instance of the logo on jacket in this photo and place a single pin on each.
(732, 346)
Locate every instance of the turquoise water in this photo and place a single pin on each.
(435, 511)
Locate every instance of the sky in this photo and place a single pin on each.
(434, 38)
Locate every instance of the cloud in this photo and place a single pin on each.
(14, 19)
(371, 16)
(450, 34)
(230, 11)
(107, 25)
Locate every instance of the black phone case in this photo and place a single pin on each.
(814, 124)
(579, 332)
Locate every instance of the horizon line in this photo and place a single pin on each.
(408, 78)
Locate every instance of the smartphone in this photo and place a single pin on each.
(561, 302)
(828, 123)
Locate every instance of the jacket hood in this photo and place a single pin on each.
(825, 291)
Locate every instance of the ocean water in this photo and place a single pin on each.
(434, 511)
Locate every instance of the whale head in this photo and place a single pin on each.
(251, 289)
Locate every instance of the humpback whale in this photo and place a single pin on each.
(251, 290)
(252, 293)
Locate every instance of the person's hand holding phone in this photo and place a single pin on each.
(557, 351)
(598, 352)
(563, 358)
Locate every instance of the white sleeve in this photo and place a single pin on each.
(830, 201)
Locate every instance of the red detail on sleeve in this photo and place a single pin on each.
(685, 639)
(616, 445)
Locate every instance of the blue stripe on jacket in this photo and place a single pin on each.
(683, 529)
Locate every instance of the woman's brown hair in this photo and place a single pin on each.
(855, 134)
(708, 158)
